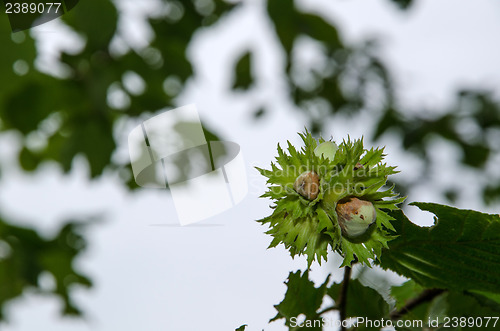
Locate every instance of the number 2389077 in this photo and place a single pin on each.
(32, 7)
(475, 322)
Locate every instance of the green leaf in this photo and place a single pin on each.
(490, 300)
(242, 328)
(405, 292)
(468, 309)
(243, 77)
(301, 297)
(369, 249)
(460, 252)
(438, 308)
(362, 301)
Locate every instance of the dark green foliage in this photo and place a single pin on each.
(478, 108)
(403, 4)
(459, 252)
(463, 305)
(361, 301)
(86, 119)
(302, 297)
(81, 120)
(449, 306)
(404, 293)
(243, 76)
(25, 256)
(455, 310)
(358, 65)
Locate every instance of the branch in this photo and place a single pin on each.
(424, 297)
(326, 310)
(343, 296)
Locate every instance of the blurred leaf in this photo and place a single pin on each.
(451, 195)
(242, 328)
(259, 113)
(29, 160)
(284, 17)
(475, 155)
(491, 193)
(210, 135)
(26, 256)
(290, 23)
(18, 49)
(476, 107)
(81, 99)
(243, 77)
(94, 139)
(388, 121)
(459, 252)
(100, 28)
(317, 28)
(403, 4)
(27, 107)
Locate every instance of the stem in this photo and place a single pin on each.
(425, 296)
(343, 297)
(326, 310)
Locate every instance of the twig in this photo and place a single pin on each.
(343, 297)
(425, 296)
(326, 310)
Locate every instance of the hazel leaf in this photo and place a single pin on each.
(361, 301)
(301, 297)
(460, 252)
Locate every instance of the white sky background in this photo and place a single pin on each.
(150, 275)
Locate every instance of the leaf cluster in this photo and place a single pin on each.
(25, 257)
(452, 268)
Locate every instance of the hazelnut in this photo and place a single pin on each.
(355, 216)
(328, 149)
(307, 185)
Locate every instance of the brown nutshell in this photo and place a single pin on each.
(358, 166)
(307, 185)
(353, 210)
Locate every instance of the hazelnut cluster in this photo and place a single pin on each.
(330, 197)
